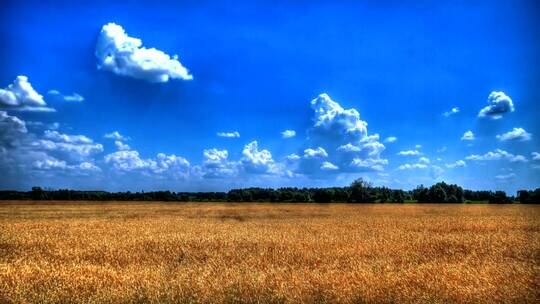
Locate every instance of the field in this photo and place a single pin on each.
(84, 252)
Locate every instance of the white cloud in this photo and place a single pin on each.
(123, 55)
(116, 136)
(390, 139)
(255, 160)
(293, 157)
(75, 147)
(328, 166)
(505, 177)
(409, 153)
(349, 148)
(88, 166)
(499, 104)
(340, 137)
(73, 97)
(453, 111)
(469, 135)
(121, 146)
(11, 128)
(315, 153)
(216, 164)
(127, 161)
(57, 136)
(535, 155)
(498, 154)
(442, 149)
(369, 163)
(20, 95)
(424, 160)
(49, 163)
(412, 166)
(163, 166)
(517, 134)
(457, 164)
(234, 134)
(332, 120)
(288, 133)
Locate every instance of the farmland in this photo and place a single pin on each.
(120, 252)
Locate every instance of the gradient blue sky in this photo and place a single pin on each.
(256, 68)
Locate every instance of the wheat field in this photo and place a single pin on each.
(116, 252)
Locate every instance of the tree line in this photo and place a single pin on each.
(359, 191)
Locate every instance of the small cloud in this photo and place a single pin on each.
(442, 149)
(498, 154)
(21, 96)
(315, 153)
(535, 156)
(412, 166)
(349, 148)
(424, 160)
(517, 134)
(124, 55)
(453, 111)
(328, 166)
(73, 97)
(505, 177)
(288, 133)
(234, 134)
(457, 164)
(499, 104)
(409, 153)
(293, 157)
(390, 139)
(116, 136)
(469, 135)
(121, 146)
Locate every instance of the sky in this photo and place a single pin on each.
(209, 96)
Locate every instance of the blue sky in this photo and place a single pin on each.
(346, 78)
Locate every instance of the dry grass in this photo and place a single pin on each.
(263, 253)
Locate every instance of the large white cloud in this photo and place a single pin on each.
(217, 165)
(499, 104)
(517, 134)
(20, 95)
(257, 161)
(340, 138)
(123, 55)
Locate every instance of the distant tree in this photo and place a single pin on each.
(499, 197)
(361, 192)
(37, 193)
(323, 195)
(437, 193)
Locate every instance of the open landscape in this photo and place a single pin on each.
(154, 252)
(269, 152)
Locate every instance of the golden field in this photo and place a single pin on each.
(149, 252)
